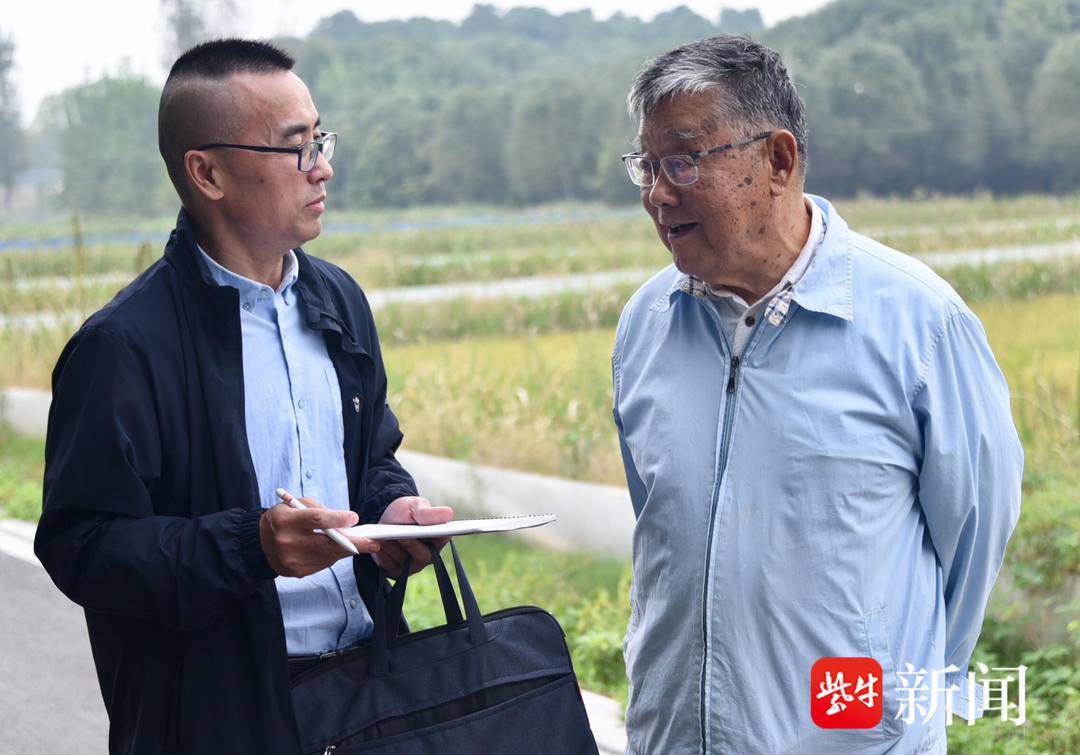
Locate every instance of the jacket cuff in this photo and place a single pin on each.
(251, 547)
(377, 504)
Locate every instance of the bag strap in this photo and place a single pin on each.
(477, 629)
(388, 609)
(446, 588)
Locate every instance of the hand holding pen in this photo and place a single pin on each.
(298, 536)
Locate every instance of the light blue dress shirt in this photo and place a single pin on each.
(292, 407)
(845, 488)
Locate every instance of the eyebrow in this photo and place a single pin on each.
(682, 135)
(298, 128)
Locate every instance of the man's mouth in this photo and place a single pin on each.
(680, 229)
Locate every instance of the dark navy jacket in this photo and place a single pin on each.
(151, 511)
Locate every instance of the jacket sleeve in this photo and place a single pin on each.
(387, 479)
(969, 480)
(100, 538)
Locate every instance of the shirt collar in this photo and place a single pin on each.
(822, 273)
(249, 289)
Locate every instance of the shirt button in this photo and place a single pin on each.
(264, 294)
(301, 404)
(248, 306)
(352, 602)
(749, 321)
(309, 474)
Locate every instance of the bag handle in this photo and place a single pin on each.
(388, 609)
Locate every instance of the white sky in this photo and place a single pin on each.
(67, 42)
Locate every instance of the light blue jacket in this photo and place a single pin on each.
(846, 489)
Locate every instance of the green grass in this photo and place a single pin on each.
(565, 239)
(22, 463)
(33, 353)
(540, 403)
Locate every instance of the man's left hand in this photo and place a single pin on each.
(410, 510)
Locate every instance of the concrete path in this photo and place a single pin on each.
(49, 695)
(48, 686)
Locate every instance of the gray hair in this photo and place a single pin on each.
(757, 91)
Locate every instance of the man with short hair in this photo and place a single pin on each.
(816, 437)
(235, 365)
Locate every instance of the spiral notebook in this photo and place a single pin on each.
(449, 529)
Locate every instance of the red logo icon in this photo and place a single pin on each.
(845, 693)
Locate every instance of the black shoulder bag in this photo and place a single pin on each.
(496, 683)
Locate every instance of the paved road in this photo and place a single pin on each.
(49, 697)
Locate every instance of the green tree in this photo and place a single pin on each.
(1055, 134)
(467, 147)
(387, 161)
(1028, 30)
(973, 126)
(105, 135)
(869, 115)
(734, 21)
(13, 157)
(551, 140)
(189, 22)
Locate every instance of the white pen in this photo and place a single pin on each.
(330, 532)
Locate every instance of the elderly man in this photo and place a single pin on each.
(816, 437)
(235, 365)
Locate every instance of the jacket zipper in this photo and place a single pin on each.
(725, 445)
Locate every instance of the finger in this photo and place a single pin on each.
(425, 513)
(388, 563)
(323, 518)
(393, 549)
(365, 545)
(421, 556)
(311, 503)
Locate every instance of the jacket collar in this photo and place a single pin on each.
(827, 284)
(321, 310)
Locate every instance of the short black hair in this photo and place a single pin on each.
(222, 57)
(191, 111)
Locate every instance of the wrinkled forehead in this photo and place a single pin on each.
(680, 121)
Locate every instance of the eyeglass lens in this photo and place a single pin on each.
(311, 151)
(680, 170)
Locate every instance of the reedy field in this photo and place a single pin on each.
(525, 384)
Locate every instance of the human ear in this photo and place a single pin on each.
(783, 160)
(204, 174)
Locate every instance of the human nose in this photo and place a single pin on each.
(322, 170)
(662, 193)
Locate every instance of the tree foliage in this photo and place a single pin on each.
(106, 146)
(522, 105)
(13, 157)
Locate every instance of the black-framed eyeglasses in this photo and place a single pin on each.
(681, 170)
(306, 154)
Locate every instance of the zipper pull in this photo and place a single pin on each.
(356, 404)
(329, 749)
(731, 379)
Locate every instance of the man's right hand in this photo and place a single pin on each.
(292, 546)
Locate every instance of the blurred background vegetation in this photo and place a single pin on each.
(905, 97)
